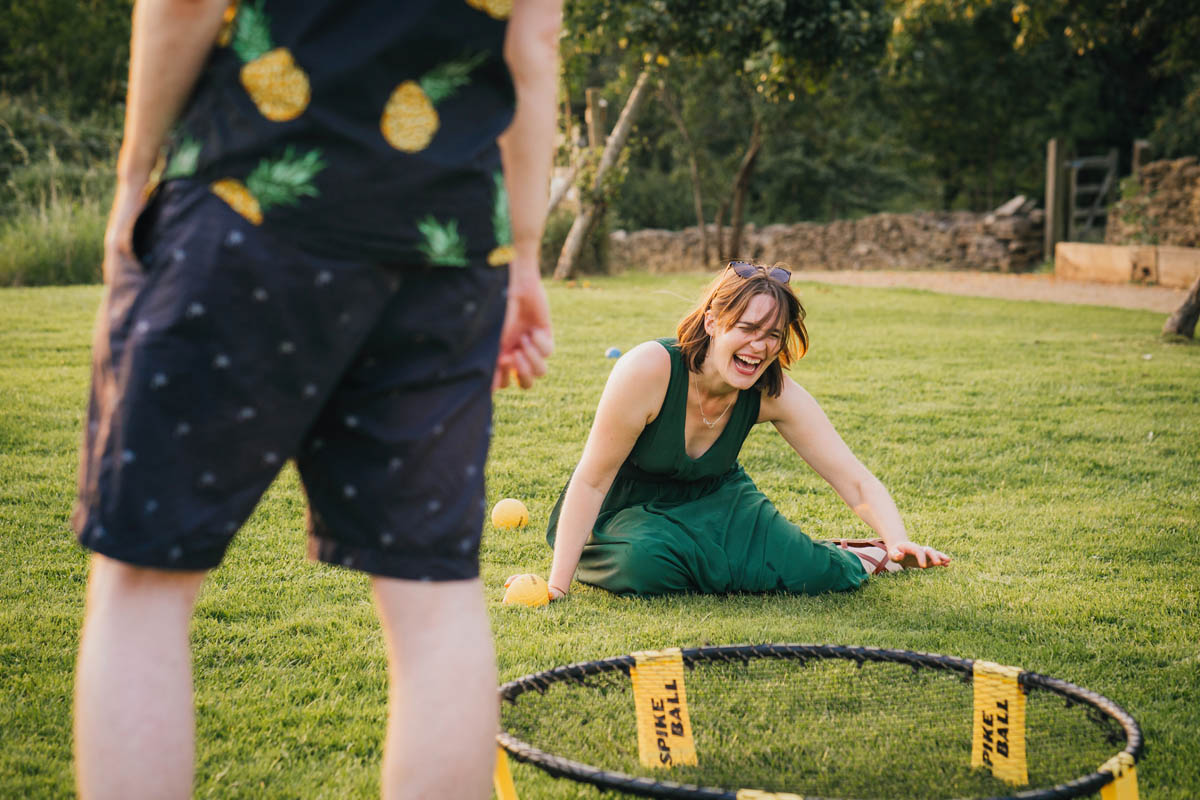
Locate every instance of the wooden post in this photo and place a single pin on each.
(1141, 153)
(1053, 232)
(595, 118)
(1072, 199)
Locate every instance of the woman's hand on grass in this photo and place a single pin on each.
(553, 592)
(925, 556)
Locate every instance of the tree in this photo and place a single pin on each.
(772, 46)
(983, 83)
(594, 204)
(669, 102)
(970, 101)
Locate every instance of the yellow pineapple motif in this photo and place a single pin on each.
(501, 255)
(498, 9)
(238, 197)
(410, 117)
(280, 89)
(269, 74)
(279, 181)
(225, 34)
(504, 252)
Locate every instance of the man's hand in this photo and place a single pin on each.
(128, 202)
(168, 46)
(526, 340)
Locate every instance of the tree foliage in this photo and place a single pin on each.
(863, 105)
(1095, 73)
(779, 45)
(73, 54)
(969, 100)
(754, 55)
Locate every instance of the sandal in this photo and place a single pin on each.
(879, 562)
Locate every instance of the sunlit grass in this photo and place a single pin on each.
(1053, 450)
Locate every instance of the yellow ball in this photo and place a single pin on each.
(527, 590)
(510, 513)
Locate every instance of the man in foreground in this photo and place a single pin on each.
(320, 275)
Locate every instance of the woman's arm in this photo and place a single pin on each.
(802, 423)
(631, 400)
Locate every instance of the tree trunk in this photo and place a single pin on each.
(592, 203)
(1183, 321)
(991, 178)
(576, 157)
(718, 222)
(558, 194)
(697, 195)
(741, 184)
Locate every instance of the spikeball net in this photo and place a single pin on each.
(752, 722)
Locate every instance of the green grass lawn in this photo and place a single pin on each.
(1053, 450)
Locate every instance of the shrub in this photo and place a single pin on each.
(46, 153)
(56, 182)
(651, 198)
(1177, 130)
(593, 259)
(61, 242)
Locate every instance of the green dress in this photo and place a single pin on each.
(673, 523)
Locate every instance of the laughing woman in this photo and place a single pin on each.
(659, 504)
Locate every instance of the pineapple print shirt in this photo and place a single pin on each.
(358, 129)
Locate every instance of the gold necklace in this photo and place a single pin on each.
(700, 406)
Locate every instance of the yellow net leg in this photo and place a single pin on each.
(1124, 785)
(502, 780)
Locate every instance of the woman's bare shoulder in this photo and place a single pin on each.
(641, 376)
(792, 400)
(647, 358)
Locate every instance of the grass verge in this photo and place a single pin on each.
(56, 244)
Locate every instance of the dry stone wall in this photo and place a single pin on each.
(1164, 209)
(1008, 239)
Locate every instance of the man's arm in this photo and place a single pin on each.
(526, 149)
(170, 43)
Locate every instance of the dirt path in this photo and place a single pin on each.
(1013, 287)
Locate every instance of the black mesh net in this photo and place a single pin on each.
(823, 727)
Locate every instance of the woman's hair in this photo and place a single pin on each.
(728, 297)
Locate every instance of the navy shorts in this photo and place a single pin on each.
(222, 353)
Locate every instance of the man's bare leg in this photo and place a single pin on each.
(134, 718)
(443, 711)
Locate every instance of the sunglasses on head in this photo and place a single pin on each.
(745, 269)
